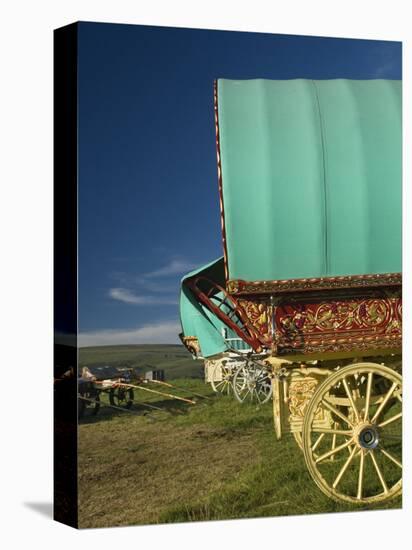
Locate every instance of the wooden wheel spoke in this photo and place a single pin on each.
(333, 445)
(334, 410)
(344, 468)
(391, 457)
(350, 448)
(248, 390)
(390, 420)
(368, 395)
(350, 397)
(332, 452)
(331, 431)
(384, 402)
(317, 442)
(378, 471)
(360, 477)
(263, 395)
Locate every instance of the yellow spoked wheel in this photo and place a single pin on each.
(358, 458)
(222, 383)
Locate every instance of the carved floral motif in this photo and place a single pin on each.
(328, 323)
(259, 314)
(300, 392)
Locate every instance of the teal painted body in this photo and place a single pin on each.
(311, 177)
(197, 320)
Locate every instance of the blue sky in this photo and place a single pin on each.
(148, 197)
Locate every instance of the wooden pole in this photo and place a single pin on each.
(178, 388)
(116, 384)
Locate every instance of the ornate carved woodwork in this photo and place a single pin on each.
(329, 321)
(321, 283)
(191, 343)
(300, 390)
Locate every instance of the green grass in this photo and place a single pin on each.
(214, 460)
(173, 358)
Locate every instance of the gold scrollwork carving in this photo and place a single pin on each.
(192, 345)
(300, 392)
(315, 283)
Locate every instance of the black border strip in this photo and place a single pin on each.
(65, 275)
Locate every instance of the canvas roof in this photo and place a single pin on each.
(311, 177)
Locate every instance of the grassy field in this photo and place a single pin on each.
(173, 358)
(217, 459)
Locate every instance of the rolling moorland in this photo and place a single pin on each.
(217, 459)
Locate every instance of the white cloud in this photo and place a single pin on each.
(129, 297)
(165, 332)
(144, 288)
(174, 267)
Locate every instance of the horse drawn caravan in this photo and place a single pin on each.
(310, 197)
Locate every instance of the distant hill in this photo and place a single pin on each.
(174, 359)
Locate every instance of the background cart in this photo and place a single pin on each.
(310, 196)
(104, 379)
(118, 383)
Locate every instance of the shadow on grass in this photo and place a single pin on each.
(150, 409)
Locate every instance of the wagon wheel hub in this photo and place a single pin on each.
(367, 436)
